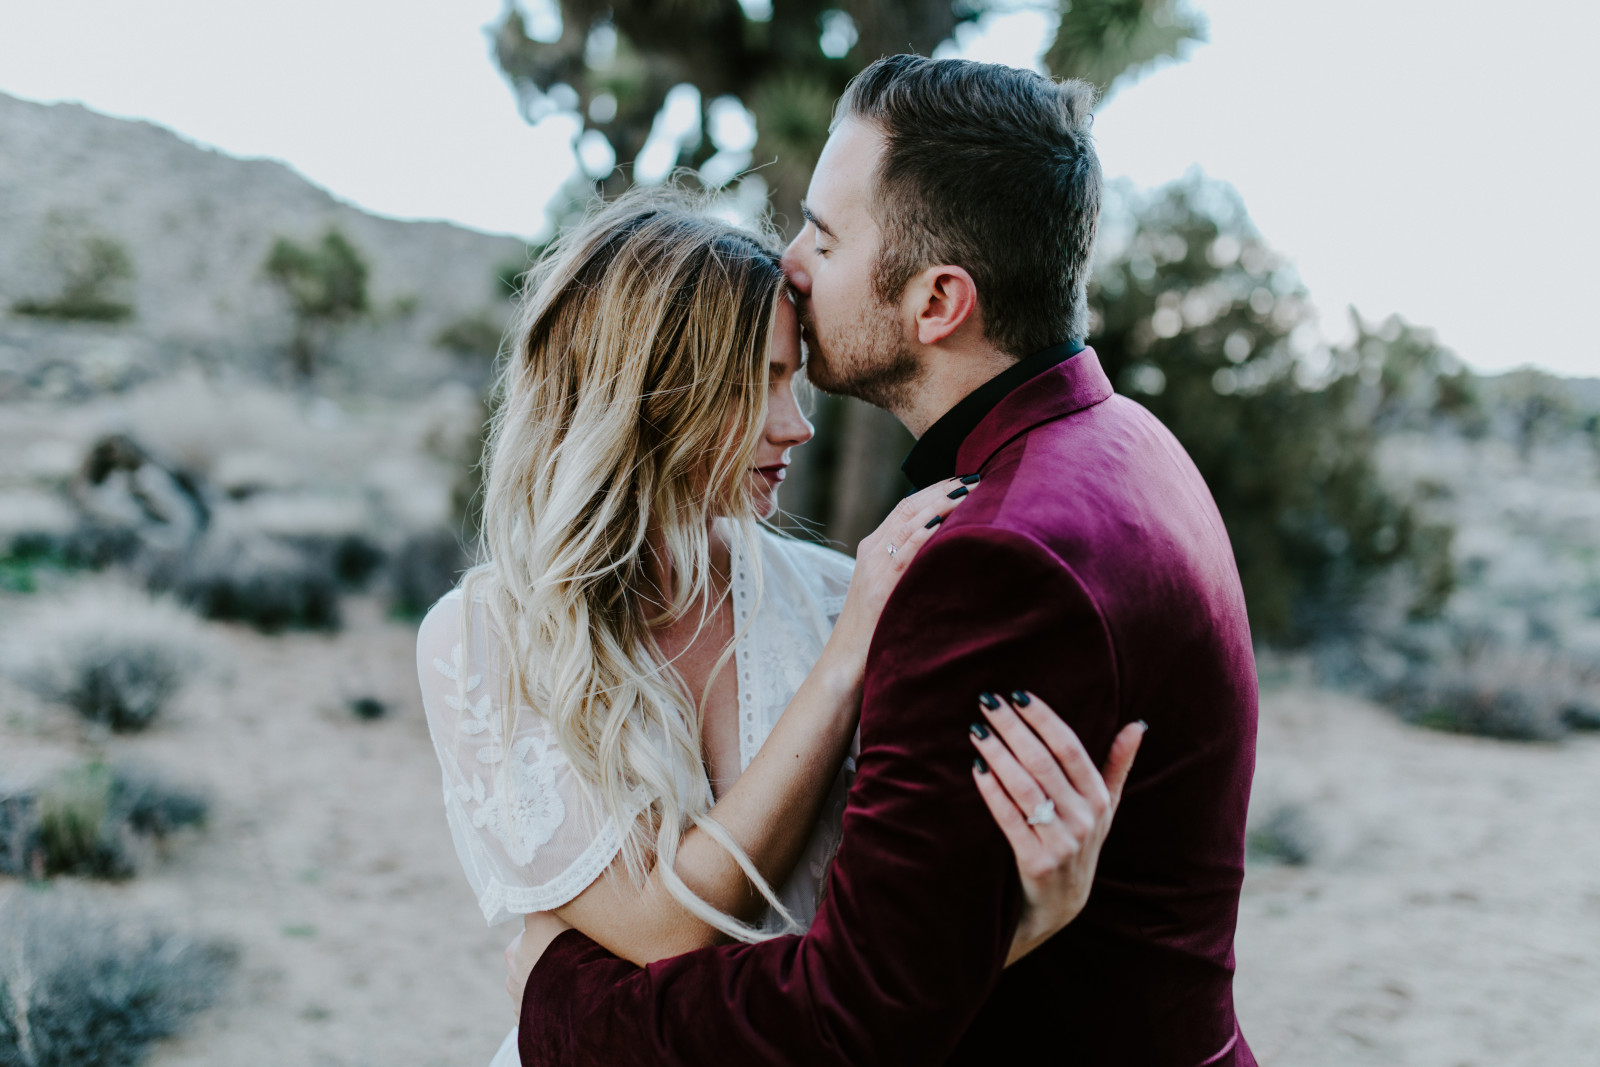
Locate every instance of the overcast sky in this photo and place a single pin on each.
(1433, 159)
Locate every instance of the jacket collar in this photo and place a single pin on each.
(1070, 386)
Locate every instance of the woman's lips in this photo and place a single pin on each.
(775, 473)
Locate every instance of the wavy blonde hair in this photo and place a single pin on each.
(632, 404)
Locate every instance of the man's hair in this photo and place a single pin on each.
(992, 169)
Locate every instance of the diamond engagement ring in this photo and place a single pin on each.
(1044, 813)
(893, 551)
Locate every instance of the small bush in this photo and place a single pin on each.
(27, 559)
(77, 833)
(93, 822)
(19, 826)
(115, 655)
(95, 272)
(472, 336)
(78, 989)
(34, 530)
(425, 568)
(1286, 835)
(259, 580)
(368, 708)
(153, 808)
(1494, 690)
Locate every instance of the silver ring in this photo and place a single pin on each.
(893, 551)
(1044, 813)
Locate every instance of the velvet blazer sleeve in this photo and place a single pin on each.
(923, 897)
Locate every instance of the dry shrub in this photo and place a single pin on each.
(1287, 834)
(116, 655)
(92, 821)
(1526, 693)
(424, 568)
(78, 989)
(255, 579)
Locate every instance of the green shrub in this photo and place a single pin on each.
(95, 271)
(471, 336)
(28, 559)
(77, 989)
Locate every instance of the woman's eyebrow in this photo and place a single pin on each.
(811, 217)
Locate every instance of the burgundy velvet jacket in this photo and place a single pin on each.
(1091, 567)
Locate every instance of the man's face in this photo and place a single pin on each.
(856, 344)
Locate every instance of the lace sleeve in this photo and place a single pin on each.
(529, 833)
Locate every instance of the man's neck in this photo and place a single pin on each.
(948, 377)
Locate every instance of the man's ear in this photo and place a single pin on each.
(943, 299)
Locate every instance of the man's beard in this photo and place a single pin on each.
(867, 360)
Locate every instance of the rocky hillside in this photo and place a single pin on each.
(181, 234)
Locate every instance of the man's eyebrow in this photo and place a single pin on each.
(811, 217)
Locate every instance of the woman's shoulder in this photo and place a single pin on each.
(795, 565)
(809, 557)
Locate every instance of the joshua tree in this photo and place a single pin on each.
(785, 62)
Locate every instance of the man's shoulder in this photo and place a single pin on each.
(1104, 473)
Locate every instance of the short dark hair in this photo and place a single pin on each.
(992, 169)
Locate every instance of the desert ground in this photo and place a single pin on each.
(1448, 914)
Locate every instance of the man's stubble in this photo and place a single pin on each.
(866, 359)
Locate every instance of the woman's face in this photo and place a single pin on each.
(786, 425)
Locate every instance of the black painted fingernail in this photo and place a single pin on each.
(978, 762)
(957, 493)
(979, 730)
(990, 701)
(971, 479)
(936, 520)
(1020, 699)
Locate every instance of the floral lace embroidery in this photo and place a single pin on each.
(530, 835)
(529, 816)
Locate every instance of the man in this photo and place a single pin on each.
(941, 274)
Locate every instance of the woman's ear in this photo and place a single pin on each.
(944, 298)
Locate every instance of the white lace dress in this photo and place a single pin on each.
(530, 834)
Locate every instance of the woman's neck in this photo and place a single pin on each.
(659, 572)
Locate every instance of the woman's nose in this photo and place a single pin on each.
(788, 425)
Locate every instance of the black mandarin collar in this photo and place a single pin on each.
(933, 457)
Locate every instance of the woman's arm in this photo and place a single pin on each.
(1027, 755)
(771, 809)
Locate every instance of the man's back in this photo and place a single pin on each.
(1144, 975)
(1090, 568)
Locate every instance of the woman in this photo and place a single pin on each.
(643, 703)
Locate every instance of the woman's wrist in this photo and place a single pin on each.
(839, 670)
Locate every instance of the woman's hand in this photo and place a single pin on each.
(881, 558)
(1051, 803)
(538, 930)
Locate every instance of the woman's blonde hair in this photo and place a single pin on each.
(632, 404)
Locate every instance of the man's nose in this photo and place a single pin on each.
(793, 268)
